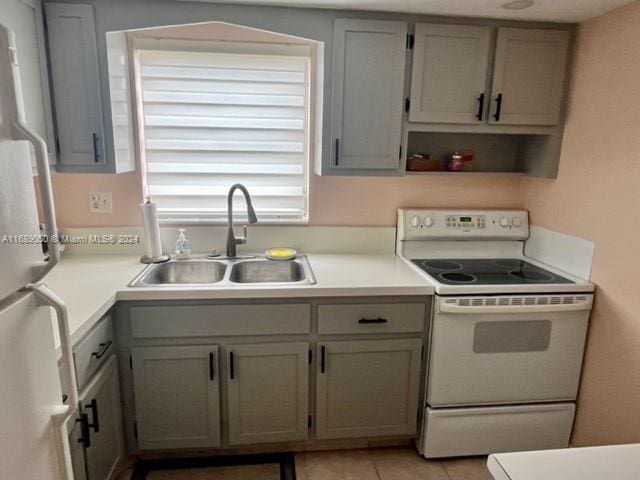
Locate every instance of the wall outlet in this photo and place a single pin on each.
(100, 202)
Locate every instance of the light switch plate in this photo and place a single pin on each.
(100, 202)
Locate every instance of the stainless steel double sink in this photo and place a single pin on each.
(230, 272)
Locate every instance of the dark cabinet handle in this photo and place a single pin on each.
(337, 152)
(102, 350)
(96, 420)
(480, 107)
(211, 372)
(322, 356)
(85, 438)
(232, 373)
(496, 116)
(372, 320)
(96, 153)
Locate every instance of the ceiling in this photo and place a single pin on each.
(546, 10)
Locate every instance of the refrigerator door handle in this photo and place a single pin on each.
(63, 413)
(23, 132)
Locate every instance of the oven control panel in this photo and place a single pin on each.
(419, 224)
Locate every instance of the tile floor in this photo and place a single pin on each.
(378, 464)
(386, 464)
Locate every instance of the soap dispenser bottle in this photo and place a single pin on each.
(183, 247)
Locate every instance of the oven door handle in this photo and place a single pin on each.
(460, 309)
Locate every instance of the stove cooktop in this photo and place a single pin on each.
(488, 271)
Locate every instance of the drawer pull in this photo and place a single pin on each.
(85, 438)
(211, 372)
(96, 421)
(102, 350)
(232, 373)
(372, 320)
(322, 355)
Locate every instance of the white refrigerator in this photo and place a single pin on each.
(33, 436)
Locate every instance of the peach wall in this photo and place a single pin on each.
(596, 196)
(351, 201)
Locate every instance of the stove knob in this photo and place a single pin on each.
(517, 222)
(415, 221)
(504, 222)
(428, 221)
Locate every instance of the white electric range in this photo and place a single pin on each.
(507, 334)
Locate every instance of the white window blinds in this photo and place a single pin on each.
(212, 119)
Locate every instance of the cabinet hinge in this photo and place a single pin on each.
(135, 429)
(411, 40)
(407, 104)
(309, 423)
(130, 362)
(310, 356)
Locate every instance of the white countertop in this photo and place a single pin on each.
(619, 462)
(91, 284)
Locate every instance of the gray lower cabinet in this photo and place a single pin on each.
(177, 396)
(268, 392)
(100, 402)
(76, 446)
(367, 388)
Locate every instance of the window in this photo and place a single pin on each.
(215, 114)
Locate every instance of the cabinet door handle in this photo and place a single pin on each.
(85, 437)
(322, 359)
(372, 320)
(211, 372)
(96, 420)
(496, 116)
(480, 107)
(96, 153)
(337, 152)
(103, 347)
(232, 373)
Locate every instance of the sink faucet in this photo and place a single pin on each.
(232, 240)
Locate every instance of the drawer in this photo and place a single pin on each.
(450, 432)
(219, 320)
(93, 351)
(371, 318)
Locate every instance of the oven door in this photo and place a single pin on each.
(507, 349)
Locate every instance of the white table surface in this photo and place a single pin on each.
(615, 462)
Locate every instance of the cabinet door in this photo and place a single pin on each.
(100, 401)
(24, 18)
(449, 73)
(268, 392)
(76, 87)
(367, 98)
(528, 76)
(367, 388)
(76, 447)
(177, 396)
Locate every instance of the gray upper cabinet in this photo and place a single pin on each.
(449, 75)
(76, 87)
(367, 96)
(367, 388)
(528, 77)
(177, 396)
(268, 392)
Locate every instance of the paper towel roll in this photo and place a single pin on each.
(152, 241)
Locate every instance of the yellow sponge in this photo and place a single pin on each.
(281, 253)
